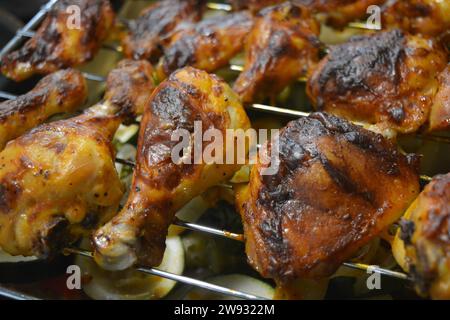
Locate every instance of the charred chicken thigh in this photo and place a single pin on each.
(147, 33)
(62, 91)
(60, 43)
(422, 245)
(58, 181)
(388, 79)
(337, 187)
(282, 46)
(208, 45)
(162, 185)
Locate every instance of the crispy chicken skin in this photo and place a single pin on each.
(160, 185)
(282, 45)
(208, 45)
(422, 244)
(337, 12)
(338, 186)
(426, 17)
(147, 33)
(59, 181)
(253, 5)
(440, 111)
(62, 91)
(57, 44)
(388, 79)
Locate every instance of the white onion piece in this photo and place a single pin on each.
(131, 284)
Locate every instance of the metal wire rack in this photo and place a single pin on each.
(28, 31)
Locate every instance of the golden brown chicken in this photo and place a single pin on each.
(440, 110)
(282, 46)
(62, 91)
(208, 45)
(147, 34)
(59, 42)
(59, 181)
(388, 79)
(337, 187)
(253, 5)
(337, 13)
(422, 245)
(161, 185)
(426, 17)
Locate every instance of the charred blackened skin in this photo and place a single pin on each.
(55, 239)
(376, 55)
(148, 33)
(208, 45)
(407, 229)
(51, 48)
(286, 223)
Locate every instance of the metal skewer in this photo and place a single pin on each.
(179, 278)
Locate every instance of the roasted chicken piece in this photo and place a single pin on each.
(62, 91)
(282, 46)
(426, 17)
(58, 181)
(338, 13)
(147, 34)
(440, 110)
(59, 42)
(189, 101)
(253, 5)
(337, 187)
(422, 244)
(208, 45)
(388, 79)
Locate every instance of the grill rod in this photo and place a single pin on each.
(179, 278)
(260, 108)
(240, 237)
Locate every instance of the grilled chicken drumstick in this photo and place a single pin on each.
(160, 185)
(147, 33)
(62, 91)
(282, 46)
(58, 181)
(388, 79)
(422, 245)
(59, 43)
(208, 45)
(337, 186)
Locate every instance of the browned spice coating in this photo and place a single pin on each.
(388, 79)
(58, 181)
(208, 45)
(57, 45)
(161, 185)
(148, 34)
(60, 92)
(337, 187)
(282, 46)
